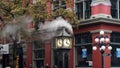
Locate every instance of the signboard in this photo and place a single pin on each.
(84, 53)
(118, 52)
(4, 49)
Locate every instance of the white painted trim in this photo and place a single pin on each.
(95, 4)
(96, 31)
(101, 16)
(115, 67)
(103, 2)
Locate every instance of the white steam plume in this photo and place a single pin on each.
(50, 28)
(13, 28)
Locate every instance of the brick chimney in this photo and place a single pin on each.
(101, 9)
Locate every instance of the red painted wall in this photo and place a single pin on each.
(71, 5)
(98, 26)
(29, 55)
(104, 9)
(72, 56)
(48, 53)
(96, 56)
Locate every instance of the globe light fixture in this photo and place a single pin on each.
(101, 32)
(102, 41)
(96, 40)
(109, 48)
(94, 48)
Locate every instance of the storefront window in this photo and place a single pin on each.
(39, 63)
(115, 37)
(115, 43)
(83, 50)
(84, 56)
(38, 54)
(83, 38)
(115, 59)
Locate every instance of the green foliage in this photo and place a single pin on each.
(11, 9)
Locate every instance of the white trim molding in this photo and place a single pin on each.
(96, 31)
(104, 2)
(101, 16)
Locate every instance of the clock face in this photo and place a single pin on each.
(59, 42)
(63, 43)
(67, 43)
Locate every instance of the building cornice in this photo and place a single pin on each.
(99, 20)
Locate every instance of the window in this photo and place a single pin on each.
(39, 63)
(59, 4)
(115, 43)
(38, 54)
(115, 37)
(119, 9)
(115, 59)
(83, 56)
(83, 38)
(83, 51)
(115, 9)
(83, 9)
(88, 9)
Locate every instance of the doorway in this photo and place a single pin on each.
(61, 59)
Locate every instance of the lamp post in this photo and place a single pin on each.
(102, 42)
(63, 43)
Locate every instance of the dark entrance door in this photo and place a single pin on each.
(61, 59)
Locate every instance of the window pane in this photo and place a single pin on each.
(39, 54)
(114, 8)
(38, 44)
(84, 55)
(83, 38)
(56, 4)
(115, 59)
(114, 13)
(115, 37)
(88, 9)
(39, 63)
(79, 10)
(59, 3)
(119, 9)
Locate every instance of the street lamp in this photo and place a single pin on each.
(63, 43)
(102, 42)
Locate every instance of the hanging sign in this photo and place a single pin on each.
(118, 52)
(4, 49)
(84, 53)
